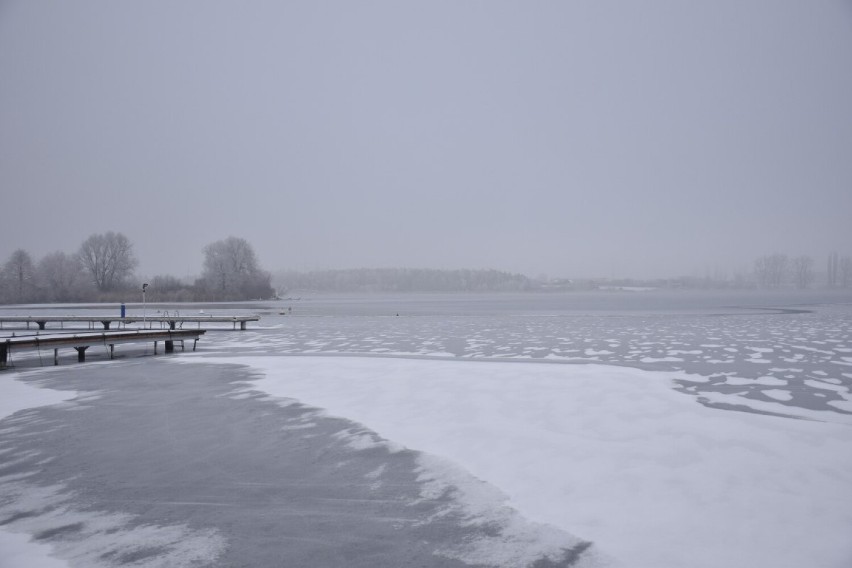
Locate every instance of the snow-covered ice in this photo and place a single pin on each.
(634, 460)
(101, 538)
(18, 395)
(611, 454)
(19, 549)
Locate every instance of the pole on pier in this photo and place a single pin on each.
(144, 314)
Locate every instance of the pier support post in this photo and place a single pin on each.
(170, 346)
(111, 350)
(106, 324)
(55, 357)
(81, 354)
(4, 354)
(41, 324)
(243, 325)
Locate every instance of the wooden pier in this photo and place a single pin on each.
(173, 321)
(81, 342)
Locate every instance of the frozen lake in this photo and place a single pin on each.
(786, 349)
(631, 429)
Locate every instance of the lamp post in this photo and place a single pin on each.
(144, 310)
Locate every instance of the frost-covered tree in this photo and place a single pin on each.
(231, 271)
(61, 277)
(770, 270)
(802, 268)
(19, 277)
(833, 270)
(846, 272)
(108, 258)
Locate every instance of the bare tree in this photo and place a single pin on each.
(231, 271)
(761, 272)
(846, 272)
(770, 270)
(61, 276)
(802, 267)
(108, 258)
(832, 272)
(19, 276)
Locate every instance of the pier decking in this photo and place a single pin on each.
(173, 321)
(81, 342)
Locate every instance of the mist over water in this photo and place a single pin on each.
(637, 216)
(572, 140)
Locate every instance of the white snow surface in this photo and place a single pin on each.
(19, 550)
(17, 395)
(610, 454)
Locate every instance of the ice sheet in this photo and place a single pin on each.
(17, 395)
(19, 549)
(610, 454)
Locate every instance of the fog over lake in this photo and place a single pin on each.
(445, 284)
(573, 139)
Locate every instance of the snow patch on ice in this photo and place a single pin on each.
(823, 384)
(20, 550)
(844, 405)
(520, 542)
(782, 395)
(612, 454)
(99, 539)
(17, 395)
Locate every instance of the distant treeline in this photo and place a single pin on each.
(102, 270)
(401, 280)
(770, 271)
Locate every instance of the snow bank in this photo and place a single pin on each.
(610, 454)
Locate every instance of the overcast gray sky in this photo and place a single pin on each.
(567, 138)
